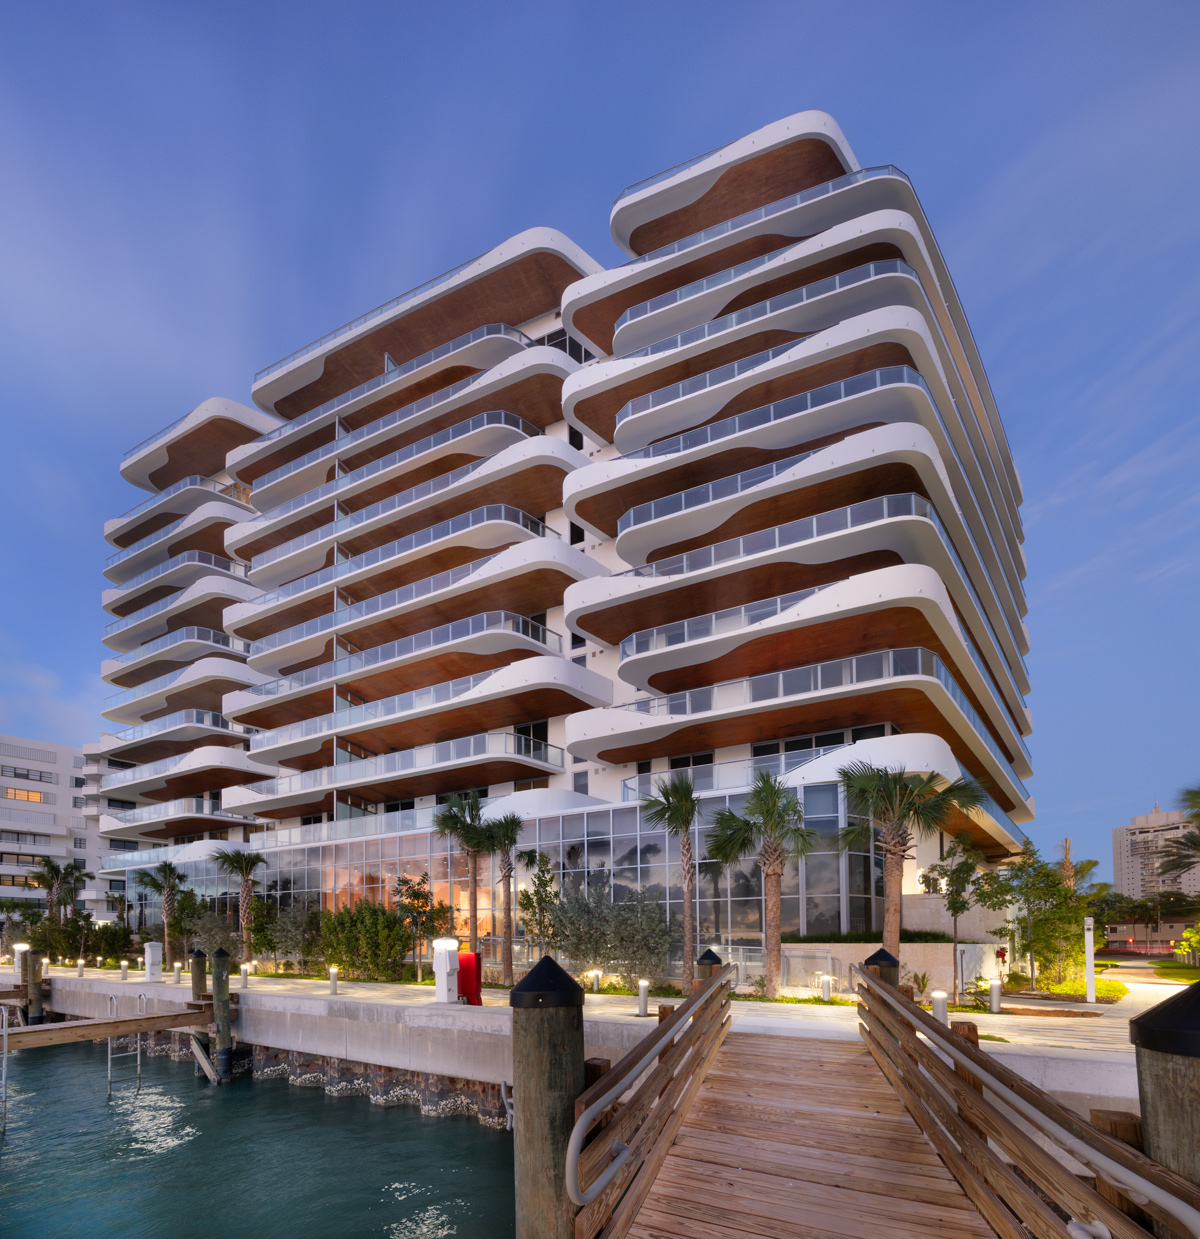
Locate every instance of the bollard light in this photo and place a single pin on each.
(254, 967)
(333, 978)
(178, 974)
(245, 976)
(46, 964)
(940, 1013)
(596, 975)
(995, 988)
(827, 987)
(142, 963)
(643, 998)
(124, 970)
(79, 968)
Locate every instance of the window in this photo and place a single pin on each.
(580, 781)
(644, 767)
(30, 776)
(122, 845)
(580, 660)
(565, 344)
(117, 884)
(530, 785)
(21, 793)
(79, 762)
(576, 534)
(78, 781)
(78, 802)
(577, 642)
(575, 438)
(79, 843)
(121, 804)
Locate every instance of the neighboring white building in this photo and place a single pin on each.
(1137, 849)
(43, 807)
(552, 531)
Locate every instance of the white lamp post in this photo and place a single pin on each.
(940, 1013)
(1089, 957)
(333, 978)
(643, 998)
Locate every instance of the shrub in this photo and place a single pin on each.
(367, 942)
(906, 935)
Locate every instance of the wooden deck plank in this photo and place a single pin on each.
(795, 1138)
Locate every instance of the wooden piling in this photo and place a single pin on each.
(222, 1057)
(548, 1074)
(31, 974)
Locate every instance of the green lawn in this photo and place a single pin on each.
(1173, 970)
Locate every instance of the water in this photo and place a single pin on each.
(259, 1159)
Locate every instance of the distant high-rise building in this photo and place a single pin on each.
(552, 532)
(1137, 849)
(44, 814)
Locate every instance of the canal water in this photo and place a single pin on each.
(259, 1160)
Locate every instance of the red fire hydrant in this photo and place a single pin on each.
(470, 978)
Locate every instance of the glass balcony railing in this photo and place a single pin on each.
(414, 541)
(766, 212)
(149, 440)
(658, 177)
(142, 543)
(207, 558)
(415, 643)
(144, 689)
(143, 858)
(824, 677)
(698, 627)
(406, 761)
(240, 493)
(710, 492)
(345, 524)
(495, 417)
(208, 635)
(835, 521)
(181, 718)
(187, 806)
(389, 709)
(723, 776)
(701, 382)
(780, 409)
(773, 305)
(371, 606)
(398, 822)
(395, 374)
(344, 443)
(362, 319)
(135, 774)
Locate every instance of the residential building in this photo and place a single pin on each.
(552, 531)
(1137, 850)
(43, 806)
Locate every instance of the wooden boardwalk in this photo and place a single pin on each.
(794, 1138)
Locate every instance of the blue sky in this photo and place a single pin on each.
(189, 191)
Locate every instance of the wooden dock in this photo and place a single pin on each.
(791, 1138)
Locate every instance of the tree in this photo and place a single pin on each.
(641, 938)
(901, 807)
(122, 910)
(166, 881)
(213, 932)
(424, 918)
(56, 880)
(953, 877)
(460, 819)
(772, 825)
(263, 915)
(239, 864)
(10, 909)
(367, 940)
(189, 908)
(583, 925)
(537, 902)
(502, 835)
(297, 930)
(674, 807)
(1181, 854)
(111, 940)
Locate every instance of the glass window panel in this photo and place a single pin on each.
(572, 882)
(572, 826)
(625, 851)
(598, 824)
(656, 876)
(599, 853)
(745, 915)
(821, 873)
(860, 915)
(624, 881)
(827, 831)
(713, 880)
(789, 883)
(859, 875)
(624, 821)
(653, 847)
(712, 917)
(868, 667)
(745, 881)
(573, 854)
(822, 915)
(820, 799)
(906, 662)
(789, 915)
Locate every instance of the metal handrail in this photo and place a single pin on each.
(1139, 1189)
(621, 1153)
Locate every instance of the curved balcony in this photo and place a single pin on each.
(700, 382)
(533, 688)
(716, 623)
(491, 757)
(199, 685)
(200, 770)
(761, 309)
(201, 524)
(184, 644)
(490, 513)
(347, 483)
(396, 374)
(201, 487)
(187, 816)
(823, 677)
(199, 561)
(208, 596)
(725, 776)
(149, 741)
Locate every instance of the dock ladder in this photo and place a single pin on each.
(3, 1069)
(126, 1072)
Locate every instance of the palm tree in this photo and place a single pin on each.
(674, 807)
(242, 865)
(772, 825)
(56, 880)
(1067, 865)
(502, 836)
(900, 807)
(10, 909)
(165, 881)
(1182, 853)
(461, 819)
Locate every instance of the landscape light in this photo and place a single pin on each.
(124, 970)
(643, 998)
(333, 978)
(245, 976)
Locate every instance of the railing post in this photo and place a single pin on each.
(969, 1032)
(548, 1074)
(1167, 1044)
(1125, 1126)
(223, 1046)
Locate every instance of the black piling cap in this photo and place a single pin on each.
(546, 985)
(222, 952)
(198, 953)
(883, 959)
(709, 957)
(1171, 1027)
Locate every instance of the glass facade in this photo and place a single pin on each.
(825, 892)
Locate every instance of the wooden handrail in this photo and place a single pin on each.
(642, 1101)
(911, 1048)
